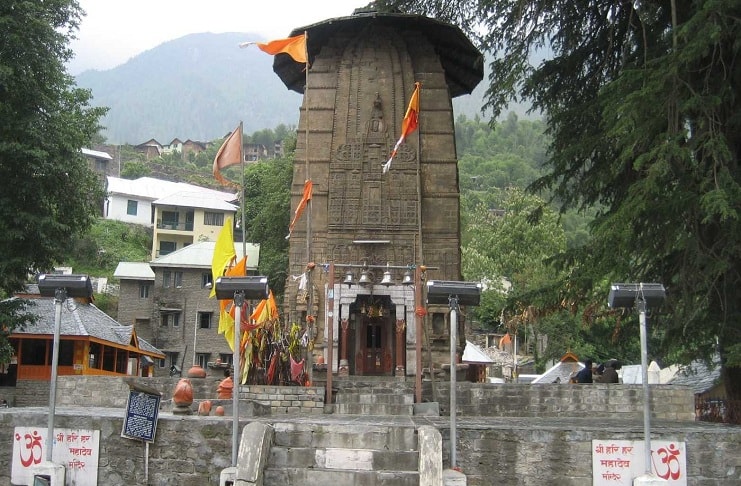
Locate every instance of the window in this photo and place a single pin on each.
(172, 359)
(33, 351)
(167, 247)
(204, 320)
(207, 280)
(162, 362)
(438, 324)
(144, 288)
(202, 359)
(66, 353)
(170, 319)
(170, 219)
(213, 219)
(131, 207)
(226, 358)
(178, 279)
(166, 279)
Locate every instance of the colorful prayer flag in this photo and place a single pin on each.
(293, 46)
(410, 123)
(308, 188)
(230, 153)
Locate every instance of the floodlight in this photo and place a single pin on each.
(626, 294)
(440, 292)
(73, 285)
(253, 288)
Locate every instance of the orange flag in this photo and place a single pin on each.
(293, 46)
(230, 153)
(410, 123)
(226, 307)
(308, 187)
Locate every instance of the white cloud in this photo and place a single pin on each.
(114, 31)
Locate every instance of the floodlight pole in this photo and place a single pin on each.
(238, 302)
(453, 299)
(60, 295)
(641, 306)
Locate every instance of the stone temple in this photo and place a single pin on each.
(391, 232)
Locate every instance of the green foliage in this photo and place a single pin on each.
(135, 169)
(48, 194)
(108, 243)
(267, 212)
(642, 105)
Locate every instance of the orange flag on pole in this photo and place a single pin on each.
(230, 153)
(308, 187)
(293, 46)
(410, 123)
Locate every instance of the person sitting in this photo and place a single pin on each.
(585, 374)
(610, 374)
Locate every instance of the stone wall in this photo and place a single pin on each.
(286, 399)
(669, 402)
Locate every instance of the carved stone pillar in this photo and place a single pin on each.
(400, 346)
(344, 368)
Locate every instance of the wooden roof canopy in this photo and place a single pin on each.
(461, 60)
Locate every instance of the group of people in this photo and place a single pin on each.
(604, 373)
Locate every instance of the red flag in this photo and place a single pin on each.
(308, 186)
(293, 46)
(410, 123)
(230, 153)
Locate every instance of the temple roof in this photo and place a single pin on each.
(462, 62)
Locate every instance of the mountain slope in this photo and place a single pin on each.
(196, 87)
(200, 86)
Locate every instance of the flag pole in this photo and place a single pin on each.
(309, 284)
(241, 156)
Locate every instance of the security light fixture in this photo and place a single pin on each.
(626, 295)
(73, 285)
(253, 288)
(641, 296)
(466, 293)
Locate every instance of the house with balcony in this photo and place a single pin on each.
(184, 218)
(168, 302)
(131, 201)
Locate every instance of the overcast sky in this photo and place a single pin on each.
(114, 31)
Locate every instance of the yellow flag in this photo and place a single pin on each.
(226, 321)
(224, 253)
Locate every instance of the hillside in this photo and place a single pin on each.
(199, 87)
(196, 87)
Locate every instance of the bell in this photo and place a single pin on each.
(364, 279)
(408, 279)
(349, 279)
(387, 279)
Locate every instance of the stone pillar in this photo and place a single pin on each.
(344, 368)
(400, 329)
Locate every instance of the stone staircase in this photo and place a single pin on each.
(349, 454)
(375, 398)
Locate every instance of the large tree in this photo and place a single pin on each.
(642, 103)
(48, 195)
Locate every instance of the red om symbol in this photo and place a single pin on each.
(33, 448)
(669, 458)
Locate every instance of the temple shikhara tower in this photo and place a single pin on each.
(368, 239)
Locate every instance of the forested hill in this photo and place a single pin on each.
(200, 86)
(196, 87)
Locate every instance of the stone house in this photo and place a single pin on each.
(167, 301)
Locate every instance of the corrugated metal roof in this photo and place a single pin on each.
(79, 319)
(201, 255)
(134, 271)
(97, 154)
(474, 354)
(196, 200)
(151, 188)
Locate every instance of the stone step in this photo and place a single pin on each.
(373, 409)
(375, 397)
(345, 436)
(343, 459)
(323, 477)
